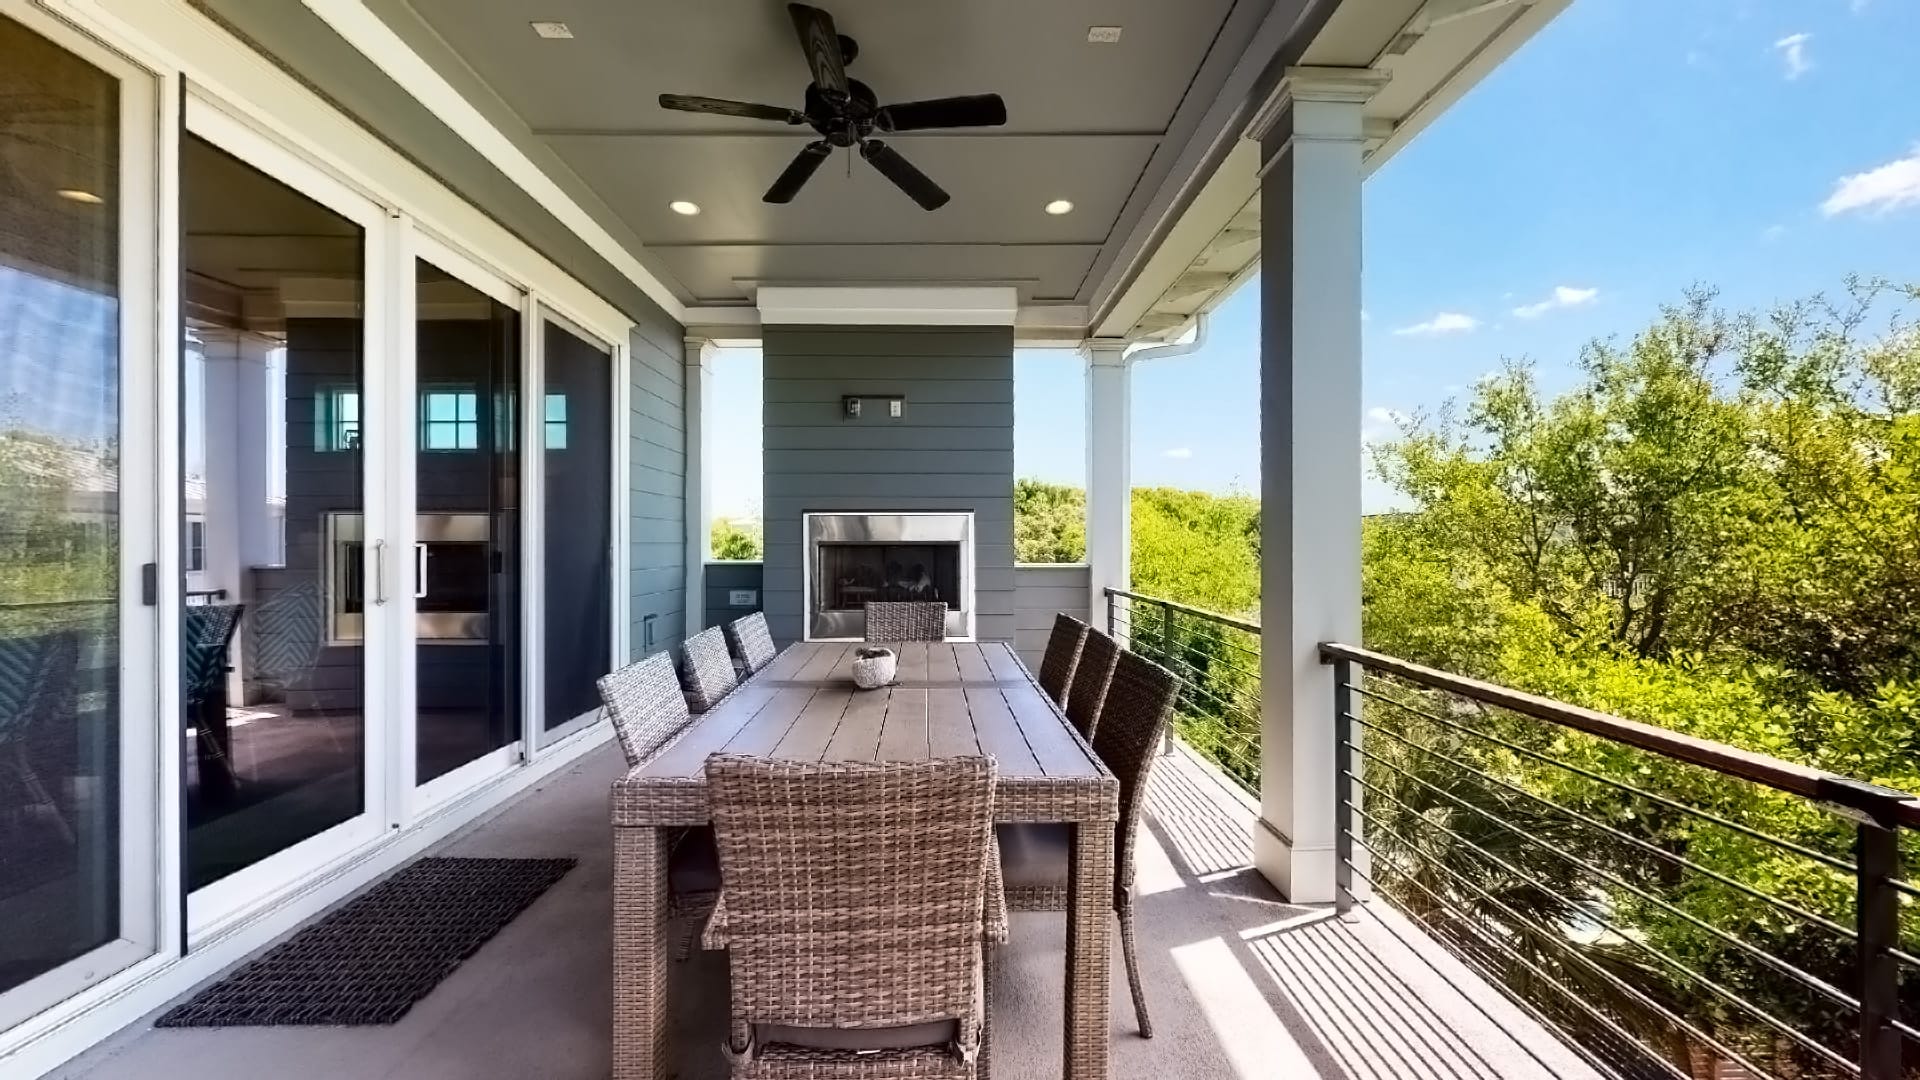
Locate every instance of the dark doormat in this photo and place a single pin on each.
(370, 961)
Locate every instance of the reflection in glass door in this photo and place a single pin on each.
(577, 538)
(467, 540)
(75, 754)
(271, 660)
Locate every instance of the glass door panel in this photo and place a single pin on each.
(272, 667)
(76, 757)
(577, 473)
(466, 564)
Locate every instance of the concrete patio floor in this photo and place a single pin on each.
(1241, 985)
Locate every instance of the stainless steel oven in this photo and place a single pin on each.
(452, 567)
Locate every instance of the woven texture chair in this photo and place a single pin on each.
(648, 709)
(1069, 637)
(752, 645)
(710, 674)
(891, 620)
(1034, 858)
(1090, 678)
(856, 894)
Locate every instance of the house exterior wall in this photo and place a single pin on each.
(1041, 591)
(725, 577)
(658, 445)
(952, 450)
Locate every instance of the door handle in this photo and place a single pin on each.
(419, 571)
(379, 571)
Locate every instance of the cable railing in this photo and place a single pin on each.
(1218, 660)
(1674, 906)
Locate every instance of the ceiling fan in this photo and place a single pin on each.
(846, 114)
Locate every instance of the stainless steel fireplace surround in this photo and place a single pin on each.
(853, 558)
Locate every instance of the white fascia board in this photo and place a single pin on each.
(967, 305)
(376, 41)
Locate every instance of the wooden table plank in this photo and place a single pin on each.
(913, 661)
(807, 739)
(1046, 732)
(843, 668)
(949, 725)
(826, 654)
(942, 668)
(1006, 666)
(789, 662)
(706, 734)
(973, 666)
(999, 736)
(765, 730)
(904, 736)
(858, 737)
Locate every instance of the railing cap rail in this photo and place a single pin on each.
(1887, 806)
(1237, 624)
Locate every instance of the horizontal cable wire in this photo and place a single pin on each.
(1809, 979)
(1720, 991)
(1820, 920)
(1704, 815)
(1558, 940)
(1513, 954)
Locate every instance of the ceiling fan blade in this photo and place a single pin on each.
(904, 176)
(798, 171)
(746, 110)
(821, 42)
(973, 110)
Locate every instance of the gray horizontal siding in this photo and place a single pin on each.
(723, 577)
(951, 449)
(657, 470)
(1040, 592)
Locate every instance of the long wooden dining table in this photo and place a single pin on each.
(949, 699)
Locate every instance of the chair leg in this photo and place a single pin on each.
(989, 965)
(1132, 954)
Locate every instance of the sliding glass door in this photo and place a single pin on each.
(577, 523)
(285, 576)
(78, 671)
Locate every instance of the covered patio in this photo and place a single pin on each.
(1243, 984)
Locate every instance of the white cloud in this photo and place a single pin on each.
(1447, 322)
(1773, 232)
(1889, 187)
(1564, 296)
(1793, 53)
(1381, 415)
(1178, 453)
(1858, 6)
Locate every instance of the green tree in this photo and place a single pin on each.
(729, 539)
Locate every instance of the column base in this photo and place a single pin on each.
(1303, 875)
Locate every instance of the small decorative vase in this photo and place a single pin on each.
(874, 668)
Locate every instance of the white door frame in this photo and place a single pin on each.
(383, 640)
(146, 644)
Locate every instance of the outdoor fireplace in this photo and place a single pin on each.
(853, 559)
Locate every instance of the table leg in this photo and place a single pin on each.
(639, 954)
(1090, 953)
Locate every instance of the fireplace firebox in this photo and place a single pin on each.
(853, 559)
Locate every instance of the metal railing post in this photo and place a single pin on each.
(1342, 786)
(1113, 601)
(1877, 854)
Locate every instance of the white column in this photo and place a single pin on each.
(1109, 473)
(1310, 136)
(699, 491)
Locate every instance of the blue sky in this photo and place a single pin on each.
(1634, 148)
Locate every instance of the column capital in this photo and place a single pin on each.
(699, 351)
(1106, 352)
(1353, 86)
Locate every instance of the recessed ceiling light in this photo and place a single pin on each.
(1103, 35)
(555, 30)
(1059, 206)
(683, 207)
(79, 196)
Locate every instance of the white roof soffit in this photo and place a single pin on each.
(1433, 51)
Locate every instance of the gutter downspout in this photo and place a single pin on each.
(1182, 348)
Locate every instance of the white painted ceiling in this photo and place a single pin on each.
(1089, 123)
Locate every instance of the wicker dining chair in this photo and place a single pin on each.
(647, 708)
(1069, 637)
(750, 641)
(855, 898)
(891, 620)
(710, 674)
(1090, 677)
(1034, 859)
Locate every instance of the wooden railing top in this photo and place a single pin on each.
(1228, 620)
(1885, 805)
